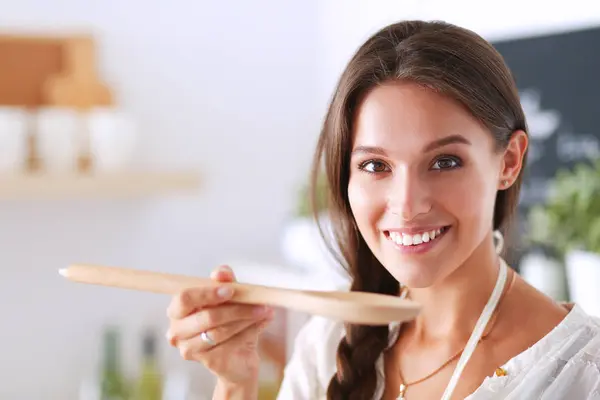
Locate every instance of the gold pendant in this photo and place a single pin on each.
(402, 392)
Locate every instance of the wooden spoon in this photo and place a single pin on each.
(352, 307)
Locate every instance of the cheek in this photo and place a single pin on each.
(367, 205)
(470, 199)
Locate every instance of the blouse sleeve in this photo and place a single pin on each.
(312, 362)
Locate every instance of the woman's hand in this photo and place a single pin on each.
(223, 336)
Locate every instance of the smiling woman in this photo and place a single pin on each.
(423, 148)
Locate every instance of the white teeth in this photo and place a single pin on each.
(411, 240)
(417, 239)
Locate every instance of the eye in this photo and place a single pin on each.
(373, 167)
(447, 162)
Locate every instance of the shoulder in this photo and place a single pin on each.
(547, 329)
(569, 357)
(575, 342)
(580, 337)
(563, 364)
(583, 345)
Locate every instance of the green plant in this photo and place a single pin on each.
(570, 219)
(305, 206)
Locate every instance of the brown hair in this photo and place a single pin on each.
(449, 60)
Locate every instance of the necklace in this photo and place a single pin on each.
(404, 385)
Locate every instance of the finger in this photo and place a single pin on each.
(210, 318)
(223, 273)
(262, 325)
(192, 299)
(219, 353)
(213, 337)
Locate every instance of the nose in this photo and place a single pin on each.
(409, 196)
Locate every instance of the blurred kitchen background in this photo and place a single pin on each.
(178, 136)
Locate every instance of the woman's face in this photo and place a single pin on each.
(423, 180)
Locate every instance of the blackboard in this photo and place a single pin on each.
(558, 77)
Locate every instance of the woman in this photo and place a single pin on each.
(424, 147)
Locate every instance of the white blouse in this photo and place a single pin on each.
(563, 365)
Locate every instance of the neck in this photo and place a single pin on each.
(451, 308)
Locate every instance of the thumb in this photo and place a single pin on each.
(223, 273)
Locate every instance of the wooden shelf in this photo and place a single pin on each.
(96, 185)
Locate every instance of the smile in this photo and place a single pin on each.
(419, 241)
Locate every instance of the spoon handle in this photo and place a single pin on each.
(355, 307)
(171, 284)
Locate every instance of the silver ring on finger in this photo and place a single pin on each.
(207, 339)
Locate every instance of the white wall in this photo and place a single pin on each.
(227, 87)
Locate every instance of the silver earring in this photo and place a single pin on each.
(505, 183)
(499, 241)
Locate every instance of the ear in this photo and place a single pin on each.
(512, 161)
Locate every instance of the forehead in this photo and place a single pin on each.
(407, 113)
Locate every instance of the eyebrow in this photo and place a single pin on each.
(445, 141)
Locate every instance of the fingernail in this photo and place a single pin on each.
(224, 292)
(169, 337)
(224, 268)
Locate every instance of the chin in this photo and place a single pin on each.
(417, 275)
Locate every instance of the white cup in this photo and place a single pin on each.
(13, 139)
(112, 138)
(59, 137)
